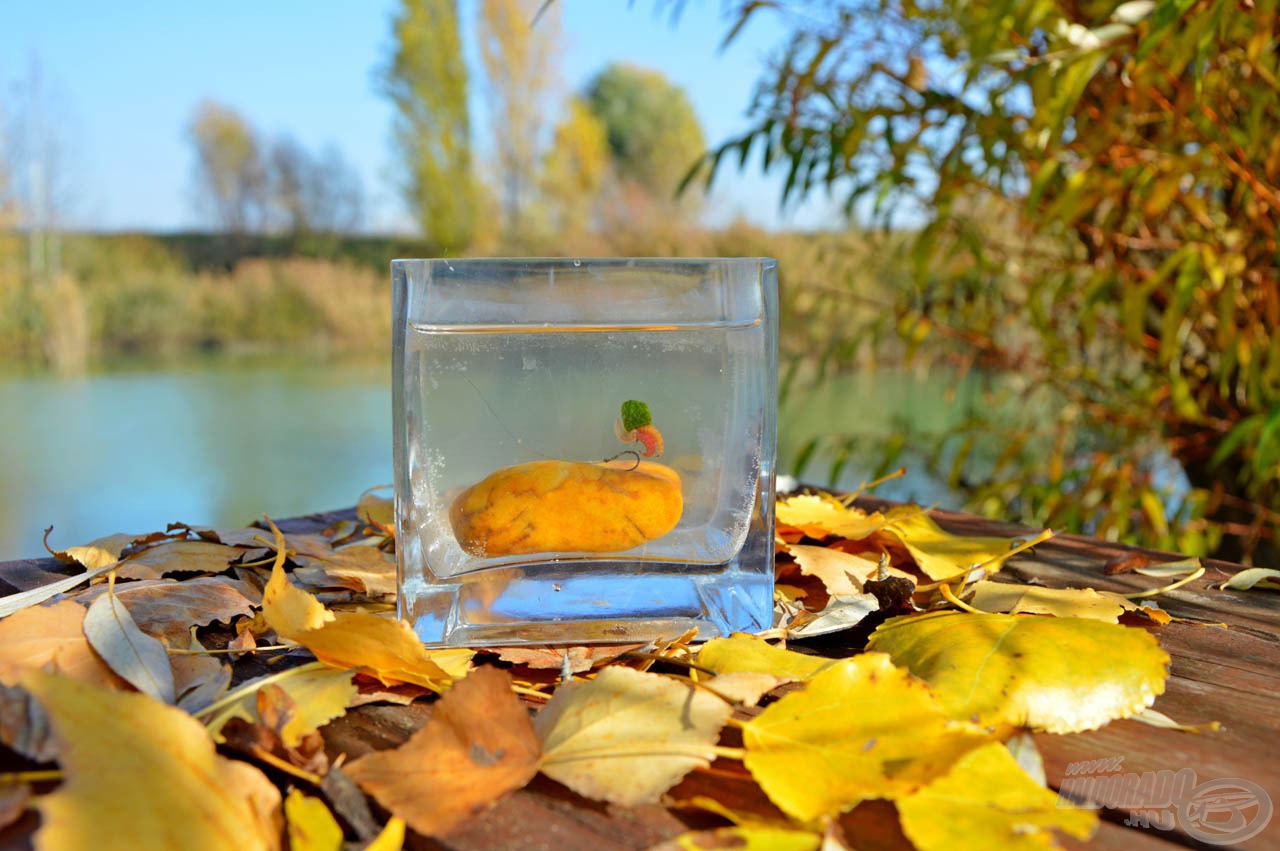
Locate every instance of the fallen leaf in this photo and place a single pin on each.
(941, 554)
(627, 736)
(358, 567)
(745, 687)
(987, 801)
(821, 515)
(581, 658)
(1022, 747)
(841, 573)
(1152, 718)
(137, 658)
(13, 603)
(385, 648)
(390, 839)
(177, 557)
(24, 725)
(1254, 577)
(168, 608)
(839, 614)
(319, 693)
(198, 681)
(13, 802)
(1170, 569)
(1061, 675)
(741, 653)
(99, 553)
(860, 729)
(1038, 600)
(745, 839)
(1125, 562)
(310, 824)
(350, 804)
(37, 636)
(140, 774)
(377, 511)
(477, 745)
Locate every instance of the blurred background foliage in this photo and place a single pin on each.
(1064, 212)
(1099, 185)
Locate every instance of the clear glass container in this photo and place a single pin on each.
(584, 449)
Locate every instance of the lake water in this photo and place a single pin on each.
(223, 441)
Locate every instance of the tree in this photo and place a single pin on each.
(519, 59)
(427, 83)
(575, 167)
(1099, 191)
(311, 193)
(230, 172)
(653, 133)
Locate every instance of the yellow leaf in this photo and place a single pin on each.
(384, 648)
(99, 553)
(1062, 675)
(140, 774)
(940, 554)
(745, 687)
(1254, 577)
(628, 736)
(32, 638)
(820, 515)
(320, 694)
(743, 653)
(390, 839)
(860, 729)
(477, 745)
(311, 826)
(744, 839)
(986, 802)
(1061, 602)
(841, 572)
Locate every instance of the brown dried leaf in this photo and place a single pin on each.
(478, 745)
(1126, 563)
(377, 511)
(168, 608)
(35, 637)
(13, 802)
(198, 681)
(24, 725)
(581, 658)
(358, 567)
(177, 557)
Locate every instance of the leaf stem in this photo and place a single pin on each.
(288, 768)
(951, 598)
(964, 574)
(36, 776)
(1155, 592)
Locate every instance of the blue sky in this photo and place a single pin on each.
(127, 75)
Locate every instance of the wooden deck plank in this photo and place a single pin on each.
(1231, 675)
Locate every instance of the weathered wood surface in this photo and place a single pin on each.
(1226, 668)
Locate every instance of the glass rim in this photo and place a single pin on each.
(637, 261)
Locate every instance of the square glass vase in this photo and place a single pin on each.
(584, 449)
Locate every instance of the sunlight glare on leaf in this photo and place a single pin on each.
(1061, 675)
